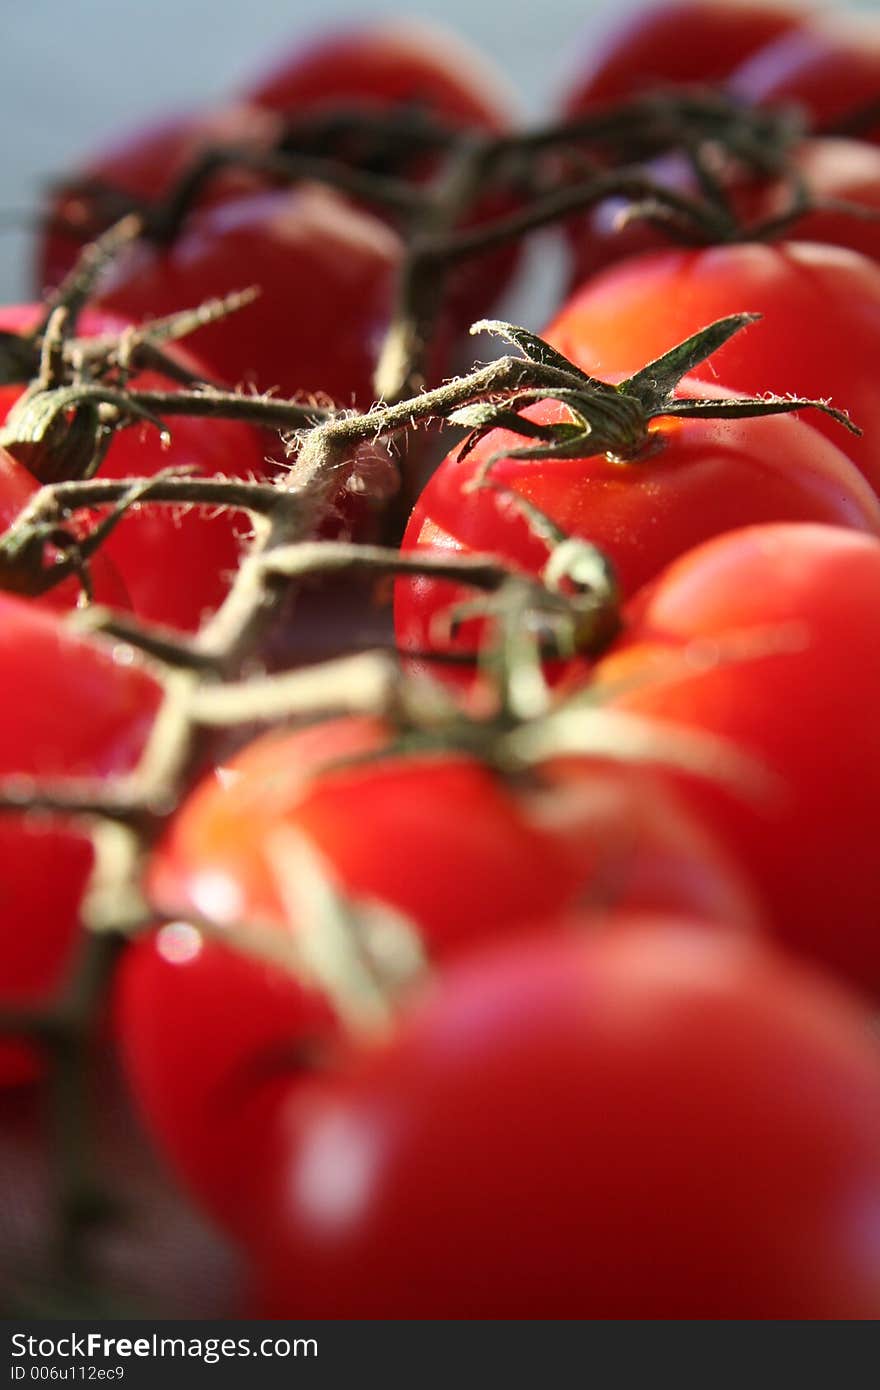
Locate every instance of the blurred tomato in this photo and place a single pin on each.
(766, 637)
(830, 68)
(671, 42)
(210, 1034)
(73, 709)
(651, 1122)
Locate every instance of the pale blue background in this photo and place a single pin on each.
(74, 71)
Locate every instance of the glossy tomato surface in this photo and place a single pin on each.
(829, 68)
(680, 41)
(651, 1122)
(819, 335)
(325, 274)
(701, 478)
(170, 566)
(767, 637)
(72, 710)
(209, 1034)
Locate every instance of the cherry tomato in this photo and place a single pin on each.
(668, 44)
(143, 166)
(839, 170)
(210, 1040)
(380, 65)
(73, 709)
(408, 64)
(173, 568)
(651, 1122)
(830, 68)
(819, 337)
(703, 478)
(208, 1035)
(767, 637)
(833, 170)
(325, 272)
(372, 68)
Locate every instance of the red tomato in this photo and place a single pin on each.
(144, 165)
(706, 477)
(208, 1035)
(830, 67)
(73, 709)
(386, 64)
(173, 568)
(17, 487)
(820, 335)
(648, 1123)
(470, 854)
(842, 170)
(373, 68)
(210, 1040)
(325, 273)
(674, 42)
(832, 169)
(767, 637)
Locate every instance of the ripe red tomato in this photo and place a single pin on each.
(407, 63)
(471, 854)
(144, 165)
(173, 569)
(372, 68)
(832, 170)
(209, 1035)
(325, 272)
(706, 477)
(673, 42)
(830, 67)
(646, 1123)
(819, 337)
(767, 637)
(73, 709)
(17, 487)
(839, 170)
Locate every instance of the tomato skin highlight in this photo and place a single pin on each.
(648, 1122)
(765, 637)
(72, 711)
(810, 297)
(705, 477)
(208, 1036)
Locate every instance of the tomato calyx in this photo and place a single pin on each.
(613, 419)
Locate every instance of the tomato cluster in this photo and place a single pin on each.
(523, 965)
